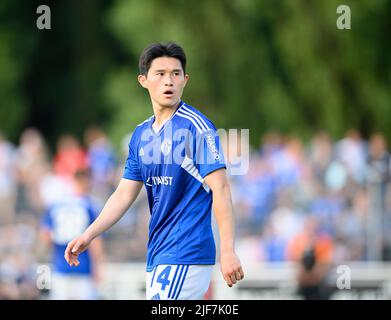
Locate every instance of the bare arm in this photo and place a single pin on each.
(222, 206)
(115, 207)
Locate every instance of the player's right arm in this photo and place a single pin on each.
(115, 207)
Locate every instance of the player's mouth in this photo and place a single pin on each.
(168, 93)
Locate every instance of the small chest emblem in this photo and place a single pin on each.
(166, 146)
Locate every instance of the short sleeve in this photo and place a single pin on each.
(209, 156)
(132, 169)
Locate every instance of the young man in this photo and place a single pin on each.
(175, 154)
(63, 221)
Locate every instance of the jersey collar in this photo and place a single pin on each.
(181, 103)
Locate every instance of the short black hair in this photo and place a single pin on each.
(157, 50)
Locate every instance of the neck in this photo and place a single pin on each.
(163, 114)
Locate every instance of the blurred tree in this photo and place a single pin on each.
(16, 46)
(253, 64)
(52, 79)
(265, 64)
(68, 70)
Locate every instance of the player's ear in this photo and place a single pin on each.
(186, 78)
(142, 79)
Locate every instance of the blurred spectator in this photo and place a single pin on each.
(284, 223)
(62, 222)
(310, 235)
(351, 151)
(32, 163)
(257, 195)
(102, 162)
(271, 143)
(313, 251)
(288, 163)
(336, 176)
(320, 154)
(286, 218)
(17, 260)
(342, 187)
(379, 164)
(351, 230)
(17, 278)
(378, 178)
(70, 157)
(7, 181)
(326, 206)
(273, 244)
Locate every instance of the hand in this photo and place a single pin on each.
(74, 248)
(231, 268)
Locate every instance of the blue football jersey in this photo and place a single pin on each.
(66, 220)
(173, 163)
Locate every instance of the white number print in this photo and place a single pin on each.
(69, 222)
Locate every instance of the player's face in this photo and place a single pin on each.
(165, 81)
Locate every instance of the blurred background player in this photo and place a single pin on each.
(64, 220)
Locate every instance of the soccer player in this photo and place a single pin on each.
(176, 155)
(63, 221)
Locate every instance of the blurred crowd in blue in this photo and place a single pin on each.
(332, 195)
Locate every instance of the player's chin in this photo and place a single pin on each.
(169, 101)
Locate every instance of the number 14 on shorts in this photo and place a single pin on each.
(175, 282)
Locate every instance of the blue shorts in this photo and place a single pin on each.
(178, 282)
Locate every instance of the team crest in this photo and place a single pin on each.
(166, 146)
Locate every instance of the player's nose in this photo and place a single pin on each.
(168, 82)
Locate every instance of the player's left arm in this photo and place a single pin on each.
(231, 267)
